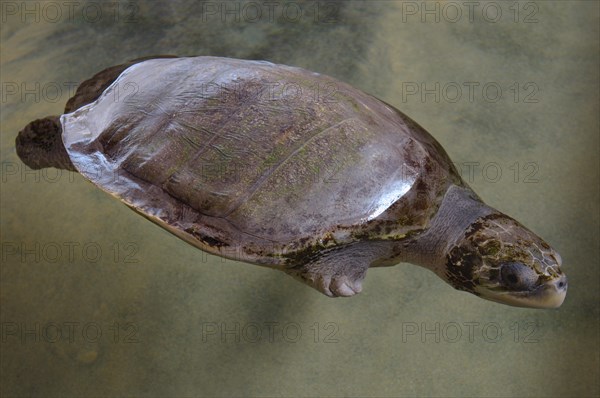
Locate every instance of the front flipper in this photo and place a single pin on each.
(332, 284)
(340, 272)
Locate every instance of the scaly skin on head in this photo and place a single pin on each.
(477, 249)
(501, 260)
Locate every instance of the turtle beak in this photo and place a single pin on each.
(551, 294)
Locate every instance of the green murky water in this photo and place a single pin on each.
(97, 301)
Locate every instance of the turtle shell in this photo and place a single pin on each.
(256, 161)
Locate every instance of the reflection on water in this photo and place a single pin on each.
(96, 301)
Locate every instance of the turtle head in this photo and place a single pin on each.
(500, 260)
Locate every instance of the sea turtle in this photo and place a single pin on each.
(286, 168)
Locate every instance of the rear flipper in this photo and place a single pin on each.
(39, 145)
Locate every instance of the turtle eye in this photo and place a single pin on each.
(517, 276)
